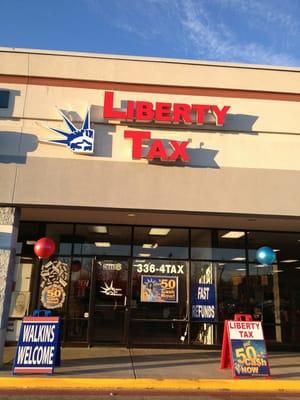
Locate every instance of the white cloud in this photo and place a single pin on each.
(218, 42)
(250, 31)
(269, 12)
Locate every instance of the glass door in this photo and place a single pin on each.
(108, 301)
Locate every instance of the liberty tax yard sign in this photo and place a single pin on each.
(244, 348)
(38, 348)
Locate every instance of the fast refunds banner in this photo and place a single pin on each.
(203, 302)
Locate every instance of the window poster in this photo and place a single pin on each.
(204, 302)
(159, 289)
(54, 279)
(19, 304)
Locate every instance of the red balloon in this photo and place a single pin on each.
(44, 247)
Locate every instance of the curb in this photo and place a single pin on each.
(207, 385)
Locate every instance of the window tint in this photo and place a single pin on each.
(4, 98)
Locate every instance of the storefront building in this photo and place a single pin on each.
(158, 180)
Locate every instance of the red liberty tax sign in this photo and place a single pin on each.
(245, 330)
(162, 113)
(244, 348)
(170, 113)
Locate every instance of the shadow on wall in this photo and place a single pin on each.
(103, 140)
(7, 112)
(202, 158)
(14, 146)
(205, 158)
(198, 157)
(237, 124)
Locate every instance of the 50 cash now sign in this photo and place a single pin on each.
(244, 348)
(38, 349)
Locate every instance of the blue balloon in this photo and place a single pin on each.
(265, 255)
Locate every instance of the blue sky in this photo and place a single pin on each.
(247, 31)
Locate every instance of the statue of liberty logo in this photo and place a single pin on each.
(78, 140)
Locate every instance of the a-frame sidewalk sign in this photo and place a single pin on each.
(244, 348)
(38, 349)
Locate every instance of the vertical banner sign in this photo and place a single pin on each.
(38, 347)
(159, 289)
(203, 302)
(244, 349)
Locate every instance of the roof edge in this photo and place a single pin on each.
(148, 59)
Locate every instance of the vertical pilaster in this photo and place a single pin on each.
(9, 224)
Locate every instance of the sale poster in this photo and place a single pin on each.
(159, 289)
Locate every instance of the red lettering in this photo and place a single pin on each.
(137, 140)
(219, 114)
(130, 110)
(157, 150)
(144, 111)
(179, 151)
(201, 110)
(182, 113)
(108, 110)
(163, 112)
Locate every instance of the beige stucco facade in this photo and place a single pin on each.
(248, 168)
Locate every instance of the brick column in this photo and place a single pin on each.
(9, 224)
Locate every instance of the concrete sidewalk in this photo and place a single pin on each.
(166, 369)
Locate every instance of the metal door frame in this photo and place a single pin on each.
(125, 336)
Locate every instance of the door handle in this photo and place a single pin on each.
(125, 301)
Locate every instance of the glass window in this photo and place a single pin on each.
(80, 281)
(203, 302)
(21, 290)
(62, 234)
(229, 245)
(159, 289)
(29, 233)
(154, 242)
(109, 300)
(232, 290)
(4, 98)
(201, 244)
(54, 280)
(285, 245)
(204, 333)
(264, 298)
(158, 333)
(79, 297)
(102, 240)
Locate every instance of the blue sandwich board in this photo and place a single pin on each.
(38, 350)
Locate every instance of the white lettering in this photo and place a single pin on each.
(201, 311)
